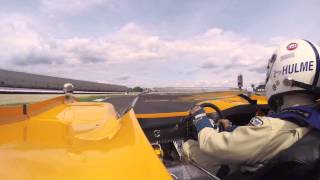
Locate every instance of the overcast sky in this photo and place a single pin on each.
(151, 42)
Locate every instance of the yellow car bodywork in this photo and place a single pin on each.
(58, 140)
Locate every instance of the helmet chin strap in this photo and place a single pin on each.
(299, 99)
(293, 83)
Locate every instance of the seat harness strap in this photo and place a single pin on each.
(300, 115)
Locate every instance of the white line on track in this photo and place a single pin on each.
(158, 100)
(134, 101)
(101, 99)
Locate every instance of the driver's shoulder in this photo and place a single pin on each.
(259, 121)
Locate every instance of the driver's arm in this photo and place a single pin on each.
(238, 146)
(260, 140)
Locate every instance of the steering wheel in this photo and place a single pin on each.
(191, 131)
(214, 107)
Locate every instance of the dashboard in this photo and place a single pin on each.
(170, 128)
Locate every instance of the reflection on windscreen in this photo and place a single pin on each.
(17, 99)
(122, 103)
(165, 101)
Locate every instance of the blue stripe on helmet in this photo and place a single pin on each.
(316, 53)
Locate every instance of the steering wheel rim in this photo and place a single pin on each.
(191, 132)
(214, 107)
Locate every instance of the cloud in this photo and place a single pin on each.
(124, 78)
(23, 43)
(208, 65)
(134, 55)
(36, 58)
(84, 50)
(69, 7)
(259, 69)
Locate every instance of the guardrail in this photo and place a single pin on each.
(6, 90)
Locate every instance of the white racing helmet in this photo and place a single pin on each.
(293, 68)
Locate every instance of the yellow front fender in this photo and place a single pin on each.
(75, 141)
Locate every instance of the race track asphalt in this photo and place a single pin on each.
(152, 103)
(156, 103)
(120, 103)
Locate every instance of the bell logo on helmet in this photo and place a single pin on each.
(292, 46)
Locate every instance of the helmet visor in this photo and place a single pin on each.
(270, 65)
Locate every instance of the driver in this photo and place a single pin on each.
(291, 88)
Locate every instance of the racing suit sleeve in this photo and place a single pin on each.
(236, 147)
(260, 140)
